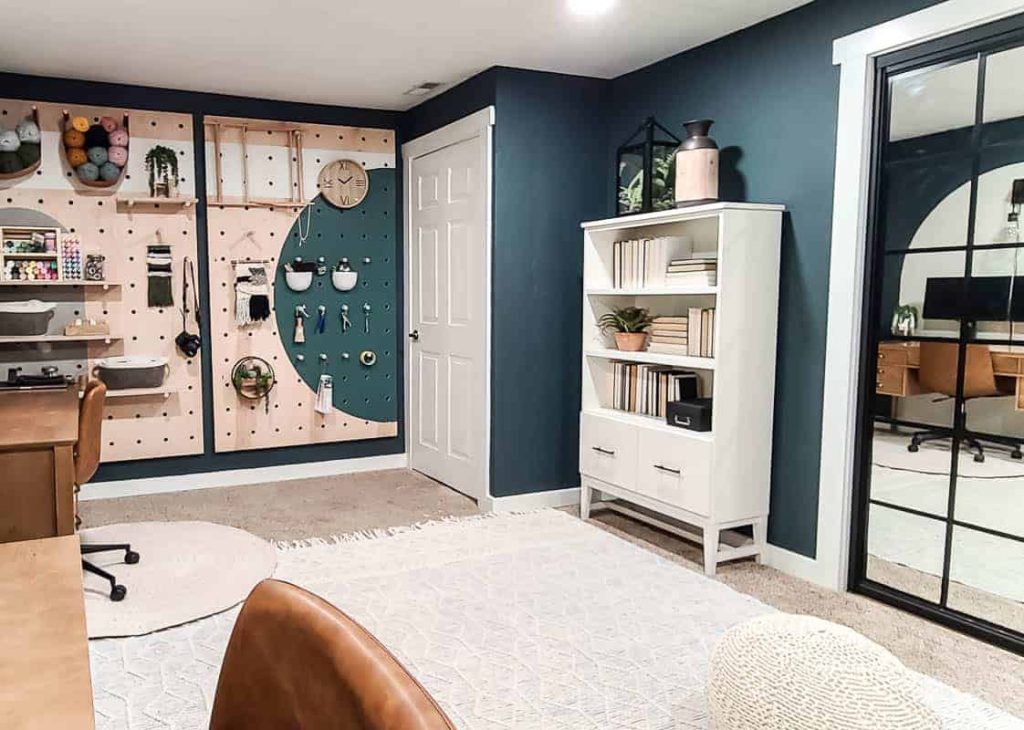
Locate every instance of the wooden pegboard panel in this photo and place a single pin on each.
(262, 233)
(137, 427)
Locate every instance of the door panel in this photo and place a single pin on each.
(448, 310)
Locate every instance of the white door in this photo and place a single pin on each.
(447, 287)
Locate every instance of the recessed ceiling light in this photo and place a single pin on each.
(423, 89)
(590, 7)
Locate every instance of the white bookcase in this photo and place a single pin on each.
(706, 483)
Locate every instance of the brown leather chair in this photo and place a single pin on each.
(295, 661)
(87, 460)
(938, 373)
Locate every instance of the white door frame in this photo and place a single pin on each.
(855, 54)
(476, 124)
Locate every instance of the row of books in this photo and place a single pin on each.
(692, 335)
(646, 389)
(692, 272)
(646, 261)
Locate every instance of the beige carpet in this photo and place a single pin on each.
(187, 570)
(337, 505)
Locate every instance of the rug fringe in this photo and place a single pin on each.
(379, 533)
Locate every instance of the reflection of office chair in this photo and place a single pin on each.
(87, 459)
(937, 374)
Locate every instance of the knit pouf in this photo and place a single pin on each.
(786, 672)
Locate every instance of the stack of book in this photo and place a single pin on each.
(692, 272)
(700, 332)
(646, 389)
(669, 335)
(645, 262)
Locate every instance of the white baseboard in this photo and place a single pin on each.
(800, 566)
(240, 477)
(533, 500)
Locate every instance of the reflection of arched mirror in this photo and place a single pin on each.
(26, 217)
(941, 488)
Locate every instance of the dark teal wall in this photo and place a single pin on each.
(549, 174)
(773, 91)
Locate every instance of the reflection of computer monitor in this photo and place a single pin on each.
(987, 299)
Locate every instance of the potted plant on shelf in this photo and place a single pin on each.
(162, 166)
(629, 327)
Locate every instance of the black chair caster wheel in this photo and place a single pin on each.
(980, 458)
(1016, 454)
(913, 448)
(131, 557)
(117, 593)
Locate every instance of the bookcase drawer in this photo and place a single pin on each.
(608, 450)
(675, 470)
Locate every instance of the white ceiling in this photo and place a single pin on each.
(351, 53)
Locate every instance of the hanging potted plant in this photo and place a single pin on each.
(629, 327)
(162, 166)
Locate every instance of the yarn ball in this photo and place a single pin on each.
(28, 131)
(96, 137)
(10, 162)
(109, 171)
(76, 156)
(9, 141)
(118, 138)
(80, 124)
(74, 138)
(29, 153)
(88, 172)
(97, 155)
(118, 155)
(109, 124)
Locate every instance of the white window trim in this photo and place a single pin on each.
(855, 54)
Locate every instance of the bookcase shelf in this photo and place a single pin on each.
(655, 358)
(714, 481)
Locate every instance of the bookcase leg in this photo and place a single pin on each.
(586, 494)
(710, 551)
(761, 539)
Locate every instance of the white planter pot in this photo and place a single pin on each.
(298, 280)
(344, 280)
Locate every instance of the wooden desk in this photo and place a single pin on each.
(899, 361)
(38, 431)
(44, 653)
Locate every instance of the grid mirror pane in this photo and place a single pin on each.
(942, 473)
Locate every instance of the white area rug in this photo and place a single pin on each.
(933, 457)
(187, 570)
(516, 621)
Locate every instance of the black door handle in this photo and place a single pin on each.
(414, 335)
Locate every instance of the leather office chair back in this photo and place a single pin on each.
(90, 423)
(938, 369)
(296, 661)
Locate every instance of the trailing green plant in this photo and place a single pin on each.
(625, 319)
(631, 195)
(162, 165)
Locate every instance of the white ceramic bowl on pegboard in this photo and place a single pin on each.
(298, 280)
(344, 280)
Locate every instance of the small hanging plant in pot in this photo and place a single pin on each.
(162, 166)
(628, 326)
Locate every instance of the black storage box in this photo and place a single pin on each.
(693, 414)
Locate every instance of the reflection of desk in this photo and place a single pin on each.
(899, 361)
(44, 653)
(37, 440)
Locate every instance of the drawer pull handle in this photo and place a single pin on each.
(669, 470)
(681, 421)
(606, 452)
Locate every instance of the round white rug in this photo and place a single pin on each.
(187, 570)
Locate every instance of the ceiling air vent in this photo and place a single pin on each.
(423, 89)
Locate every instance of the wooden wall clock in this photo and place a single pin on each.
(344, 183)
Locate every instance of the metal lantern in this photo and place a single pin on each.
(645, 170)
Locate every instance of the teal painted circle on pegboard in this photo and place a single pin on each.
(367, 231)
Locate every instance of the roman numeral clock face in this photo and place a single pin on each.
(344, 183)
